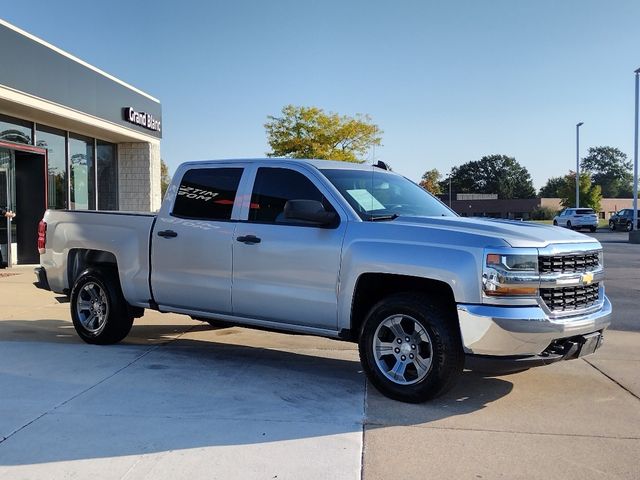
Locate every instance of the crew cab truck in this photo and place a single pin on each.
(339, 250)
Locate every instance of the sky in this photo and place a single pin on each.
(447, 82)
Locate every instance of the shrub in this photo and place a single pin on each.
(543, 213)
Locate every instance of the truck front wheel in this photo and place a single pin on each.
(410, 348)
(98, 308)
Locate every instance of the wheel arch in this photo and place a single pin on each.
(371, 287)
(82, 259)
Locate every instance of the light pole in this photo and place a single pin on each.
(635, 160)
(449, 189)
(578, 163)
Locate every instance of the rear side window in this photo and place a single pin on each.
(207, 193)
(274, 187)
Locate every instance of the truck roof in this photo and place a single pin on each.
(319, 164)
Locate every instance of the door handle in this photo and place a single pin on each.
(249, 239)
(167, 234)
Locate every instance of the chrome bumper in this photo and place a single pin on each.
(502, 330)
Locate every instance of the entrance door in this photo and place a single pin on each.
(23, 189)
(6, 202)
(30, 204)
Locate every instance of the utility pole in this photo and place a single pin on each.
(635, 160)
(578, 163)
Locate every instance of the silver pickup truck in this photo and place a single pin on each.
(338, 250)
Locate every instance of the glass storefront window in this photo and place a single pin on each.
(14, 130)
(107, 176)
(81, 173)
(54, 141)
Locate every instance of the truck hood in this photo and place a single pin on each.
(515, 233)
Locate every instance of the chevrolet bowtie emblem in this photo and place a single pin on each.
(587, 278)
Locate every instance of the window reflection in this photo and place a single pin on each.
(14, 130)
(54, 141)
(107, 176)
(81, 172)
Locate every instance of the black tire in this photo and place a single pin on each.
(593, 229)
(569, 224)
(101, 295)
(445, 347)
(612, 225)
(555, 222)
(629, 227)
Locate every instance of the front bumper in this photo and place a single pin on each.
(521, 331)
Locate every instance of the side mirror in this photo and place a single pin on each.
(310, 211)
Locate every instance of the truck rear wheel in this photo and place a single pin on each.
(99, 311)
(410, 348)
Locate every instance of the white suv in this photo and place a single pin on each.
(577, 218)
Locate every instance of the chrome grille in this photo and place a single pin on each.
(570, 298)
(568, 263)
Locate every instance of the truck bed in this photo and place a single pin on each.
(124, 234)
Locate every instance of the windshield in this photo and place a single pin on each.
(585, 211)
(377, 194)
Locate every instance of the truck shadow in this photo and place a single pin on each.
(63, 400)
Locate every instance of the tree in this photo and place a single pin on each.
(431, 181)
(309, 132)
(552, 188)
(609, 168)
(165, 178)
(498, 174)
(590, 193)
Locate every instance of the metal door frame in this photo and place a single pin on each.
(30, 149)
(8, 220)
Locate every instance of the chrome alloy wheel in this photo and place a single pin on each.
(402, 349)
(92, 307)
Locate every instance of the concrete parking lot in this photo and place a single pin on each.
(181, 399)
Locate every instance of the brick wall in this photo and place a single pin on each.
(139, 176)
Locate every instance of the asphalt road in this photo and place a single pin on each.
(622, 266)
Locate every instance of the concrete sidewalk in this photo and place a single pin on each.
(181, 399)
(178, 399)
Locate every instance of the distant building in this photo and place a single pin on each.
(71, 137)
(470, 205)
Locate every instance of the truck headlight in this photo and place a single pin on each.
(510, 274)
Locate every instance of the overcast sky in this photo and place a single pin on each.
(448, 82)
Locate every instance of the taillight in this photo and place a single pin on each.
(42, 237)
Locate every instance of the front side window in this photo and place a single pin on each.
(207, 193)
(272, 189)
(377, 194)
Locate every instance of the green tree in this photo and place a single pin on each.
(498, 174)
(309, 132)
(431, 181)
(590, 193)
(552, 188)
(609, 168)
(165, 178)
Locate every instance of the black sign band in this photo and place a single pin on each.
(142, 119)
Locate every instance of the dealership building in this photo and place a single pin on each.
(71, 137)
